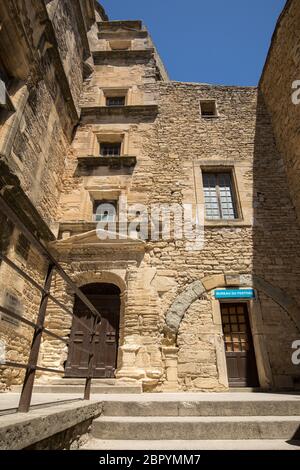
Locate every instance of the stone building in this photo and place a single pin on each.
(94, 130)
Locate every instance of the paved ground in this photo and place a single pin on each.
(10, 400)
(96, 444)
(200, 396)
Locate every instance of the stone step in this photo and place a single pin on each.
(98, 389)
(246, 444)
(201, 408)
(75, 381)
(196, 428)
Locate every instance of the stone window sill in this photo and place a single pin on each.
(91, 162)
(227, 223)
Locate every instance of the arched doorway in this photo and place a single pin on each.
(106, 299)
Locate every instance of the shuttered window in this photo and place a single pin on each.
(219, 196)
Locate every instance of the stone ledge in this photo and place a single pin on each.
(123, 35)
(136, 110)
(22, 430)
(101, 56)
(117, 24)
(91, 162)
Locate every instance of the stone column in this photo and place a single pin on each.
(129, 370)
(170, 355)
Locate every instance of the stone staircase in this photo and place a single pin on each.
(76, 387)
(203, 421)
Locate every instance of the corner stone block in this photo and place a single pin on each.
(212, 282)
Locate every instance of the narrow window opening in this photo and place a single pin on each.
(113, 101)
(105, 211)
(208, 108)
(110, 149)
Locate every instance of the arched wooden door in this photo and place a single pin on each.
(106, 299)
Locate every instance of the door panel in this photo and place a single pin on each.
(240, 355)
(105, 343)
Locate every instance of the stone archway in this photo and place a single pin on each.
(194, 291)
(106, 299)
(117, 278)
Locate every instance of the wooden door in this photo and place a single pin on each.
(240, 355)
(105, 343)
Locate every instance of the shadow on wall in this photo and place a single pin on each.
(276, 249)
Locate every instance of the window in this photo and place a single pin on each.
(115, 101)
(23, 246)
(110, 149)
(105, 211)
(219, 195)
(208, 108)
(5, 81)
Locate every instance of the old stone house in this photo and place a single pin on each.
(91, 120)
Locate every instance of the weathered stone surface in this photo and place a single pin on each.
(277, 87)
(24, 430)
(182, 303)
(170, 329)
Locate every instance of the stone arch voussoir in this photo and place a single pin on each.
(194, 291)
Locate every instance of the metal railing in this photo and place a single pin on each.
(39, 327)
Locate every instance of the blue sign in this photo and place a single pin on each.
(234, 294)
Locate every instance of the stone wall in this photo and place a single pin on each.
(44, 50)
(171, 151)
(171, 334)
(16, 336)
(280, 72)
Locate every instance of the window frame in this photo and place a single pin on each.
(98, 202)
(238, 217)
(112, 144)
(116, 97)
(5, 83)
(208, 101)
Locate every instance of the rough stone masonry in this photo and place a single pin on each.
(106, 123)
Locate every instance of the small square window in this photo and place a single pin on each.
(110, 149)
(23, 247)
(105, 211)
(219, 196)
(5, 81)
(208, 108)
(113, 101)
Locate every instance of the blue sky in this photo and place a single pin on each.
(209, 41)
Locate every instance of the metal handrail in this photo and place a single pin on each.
(27, 322)
(10, 263)
(31, 367)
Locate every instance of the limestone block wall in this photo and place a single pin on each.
(280, 72)
(43, 50)
(65, 20)
(264, 241)
(16, 336)
(35, 139)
